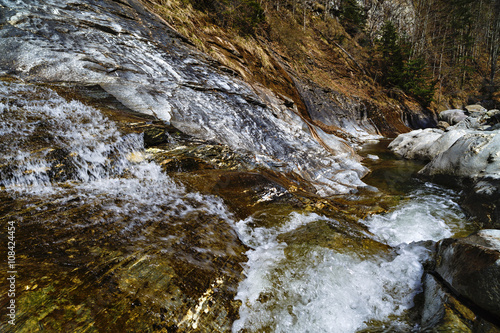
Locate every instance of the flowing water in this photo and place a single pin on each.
(298, 283)
(108, 239)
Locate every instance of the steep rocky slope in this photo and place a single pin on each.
(136, 57)
(309, 67)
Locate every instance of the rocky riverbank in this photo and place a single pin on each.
(463, 153)
(143, 174)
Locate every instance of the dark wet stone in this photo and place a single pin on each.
(154, 136)
(481, 200)
(443, 312)
(63, 165)
(471, 267)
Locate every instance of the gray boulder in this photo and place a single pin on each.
(476, 110)
(425, 144)
(471, 267)
(475, 154)
(416, 144)
(453, 116)
(468, 123)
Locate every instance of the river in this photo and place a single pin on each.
(107, 239)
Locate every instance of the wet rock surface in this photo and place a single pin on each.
(470, 266)
(105, 239)
(155, 191)
(148, 67)
(443, 312)
(117, 231)
(465, 155)
(462, 292)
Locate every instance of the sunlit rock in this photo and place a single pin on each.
(452, 117)
(474, 154)
(416, 144)
(476, 110)
(443, 125)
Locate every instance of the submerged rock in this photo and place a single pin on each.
(106, 239)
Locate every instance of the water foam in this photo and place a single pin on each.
(41, 130)
(319, 289)
(430, 213)
(35, 122)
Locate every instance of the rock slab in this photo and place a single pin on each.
(471, 267)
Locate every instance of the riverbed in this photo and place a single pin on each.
(110, 235)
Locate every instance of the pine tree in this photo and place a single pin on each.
(400, 70)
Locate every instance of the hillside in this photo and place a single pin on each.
(321, 68)
(327, 58)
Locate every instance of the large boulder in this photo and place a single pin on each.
(416, 144)
(425, 144)
(472, 162)
(453, 116)
(471, 268)
(462, 286)
(475, 154)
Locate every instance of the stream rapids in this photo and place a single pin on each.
(112, 234)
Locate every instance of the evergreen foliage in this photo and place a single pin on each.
(352, 16)
(401, 70)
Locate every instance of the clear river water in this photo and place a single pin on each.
(101, 226)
